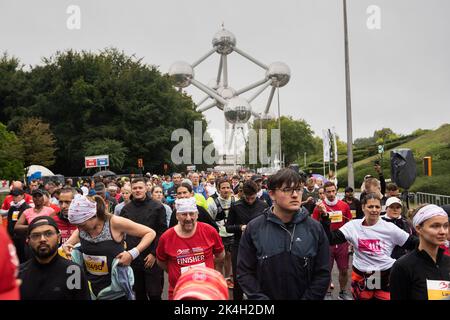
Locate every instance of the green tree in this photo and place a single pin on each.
(384, 135)
(87, 96)
(115, 149)
(296, 137)
(38, 142)
(11, 155)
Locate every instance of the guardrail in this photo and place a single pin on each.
(437, 199)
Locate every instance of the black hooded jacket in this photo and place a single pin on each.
(281, 261)
(150, 213)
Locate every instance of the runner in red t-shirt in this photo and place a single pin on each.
(339, 213)
(189, 244)
(61, 218)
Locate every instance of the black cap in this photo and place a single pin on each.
(42, 221)
(256, 177)
(16, 192)
(348, 189)
(37, 191)
(99, 187)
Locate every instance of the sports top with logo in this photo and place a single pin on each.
(98, 254)
(374, 243)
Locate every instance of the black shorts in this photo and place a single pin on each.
(228, 243)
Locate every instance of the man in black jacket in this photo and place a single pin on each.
(149, 277)
(284, 253)
(18, 206)
(47, 275)
(241, 212)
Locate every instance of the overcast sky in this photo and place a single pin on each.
(400, 73)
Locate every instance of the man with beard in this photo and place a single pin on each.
(62, 217)
(149, 278)
(48, 276)
(189, 244)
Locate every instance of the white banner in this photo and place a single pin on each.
(335, 145)
(326, 145)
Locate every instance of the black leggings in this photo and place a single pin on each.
(148, 284)
(237, 291)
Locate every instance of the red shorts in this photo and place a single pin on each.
(361, 291)
(340, 254)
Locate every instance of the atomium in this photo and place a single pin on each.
(237, 109)
(224, 42)
(182, 74)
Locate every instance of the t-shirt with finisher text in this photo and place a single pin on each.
(181, 254)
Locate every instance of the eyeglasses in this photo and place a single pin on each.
(290, 190)
(38, 236)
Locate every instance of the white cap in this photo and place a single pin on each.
(393, 200)
(186, 205)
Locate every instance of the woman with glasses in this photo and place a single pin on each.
(373, 240)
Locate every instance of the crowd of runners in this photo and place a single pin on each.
(219, 236)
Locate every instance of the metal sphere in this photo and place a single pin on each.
(226, 93)
(280, 74)
(182, 73)
(237, 110)
(224, 42)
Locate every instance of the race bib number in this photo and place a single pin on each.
(199, 265)
(15, 216)
(353, 212)
(438, 290)
(336, 216)
(96, 265)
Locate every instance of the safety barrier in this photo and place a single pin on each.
(437, 199)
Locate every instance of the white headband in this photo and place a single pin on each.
(186, 205)
(81, 209)
(428, 212)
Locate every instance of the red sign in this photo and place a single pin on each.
(91, 163)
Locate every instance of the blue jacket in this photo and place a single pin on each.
(280, 262)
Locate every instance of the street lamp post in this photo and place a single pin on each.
(351, 177)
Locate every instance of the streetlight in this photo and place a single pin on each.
(351, 177)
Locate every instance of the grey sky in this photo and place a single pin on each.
(400, 74)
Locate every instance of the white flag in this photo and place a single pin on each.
(335, 145)
(326, 145)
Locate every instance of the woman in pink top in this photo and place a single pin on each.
(28, 215)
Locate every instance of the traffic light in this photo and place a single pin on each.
(427, 166)
(140, 163)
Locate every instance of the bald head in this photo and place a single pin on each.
(17, 185)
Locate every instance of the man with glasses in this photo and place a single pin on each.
(241, 213)
(284, 253)
(47, 275)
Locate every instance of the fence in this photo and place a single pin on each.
(437, 199)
